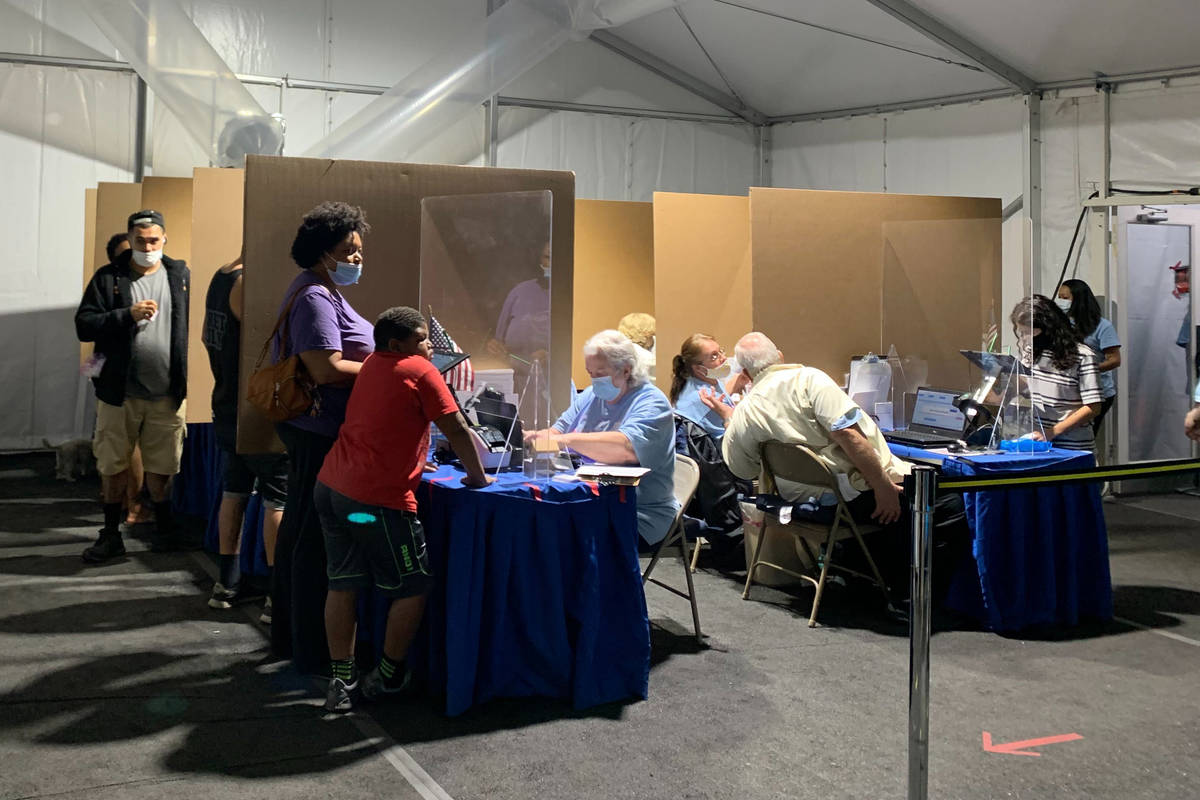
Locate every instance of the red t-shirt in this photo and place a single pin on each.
(380, 451)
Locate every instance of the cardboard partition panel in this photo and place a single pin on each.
(216, 241)
(941, 291)
(614, 269)
(172, 197)
(89, 253)
(818, 268)
(114, 203)
(702, 275)
(279, 191)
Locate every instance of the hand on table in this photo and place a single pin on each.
(1037, 436)
(887, 505)
(496, 348)
(430, 466)
(475, 483)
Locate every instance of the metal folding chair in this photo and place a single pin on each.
(687, 478)
(799, 464)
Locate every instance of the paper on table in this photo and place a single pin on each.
(614, 474)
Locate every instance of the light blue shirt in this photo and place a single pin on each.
(1104, 337)
(691, 406)
(645, 417)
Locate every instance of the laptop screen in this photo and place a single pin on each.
(935, 409)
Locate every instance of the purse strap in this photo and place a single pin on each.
(283, 321)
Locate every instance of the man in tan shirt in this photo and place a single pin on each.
(793, 403)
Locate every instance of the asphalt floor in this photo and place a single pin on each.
(119, 681)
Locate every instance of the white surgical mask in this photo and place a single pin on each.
(147, 258)
(1065, 305)
(720, 373)
(546, 272)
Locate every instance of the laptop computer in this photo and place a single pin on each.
(935, 420)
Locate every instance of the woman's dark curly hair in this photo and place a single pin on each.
(1085, 308)
(324, 228)
(1059, 337)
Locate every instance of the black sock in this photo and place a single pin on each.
(393, 672)
(164, 521)
(346, 670)
(231, 571)
(113, 512)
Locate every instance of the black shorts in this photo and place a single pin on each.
(266, 472)
(369, 545)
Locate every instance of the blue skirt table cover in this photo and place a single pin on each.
(196, 491)
(539, 593)
(1040, 555)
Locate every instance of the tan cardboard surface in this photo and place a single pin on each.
(702, 276)
(818, 268)
(614, 268)
(89, 253)
(939, 283)
(172, 197)
(279, 191)
(216, 241)
(114, 203)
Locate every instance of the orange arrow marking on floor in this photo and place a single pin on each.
(1021, 748)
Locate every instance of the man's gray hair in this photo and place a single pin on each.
(755, 352)
(615, 348)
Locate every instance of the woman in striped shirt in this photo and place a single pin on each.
(1064, 381)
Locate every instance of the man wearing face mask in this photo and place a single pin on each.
(622, 418)
(136, 311)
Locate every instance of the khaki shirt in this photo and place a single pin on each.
(795, 404)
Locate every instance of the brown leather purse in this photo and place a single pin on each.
(284, 390)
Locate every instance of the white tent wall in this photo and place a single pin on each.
(62, 130)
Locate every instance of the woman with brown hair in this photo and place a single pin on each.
(700, 366)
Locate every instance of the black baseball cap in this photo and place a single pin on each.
(146, 217)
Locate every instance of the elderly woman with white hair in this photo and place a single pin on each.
(622, 418)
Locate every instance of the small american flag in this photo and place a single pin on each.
(462, 377)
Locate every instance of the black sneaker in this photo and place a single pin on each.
(339, 697)
(108, 546)
(224, 599)
(375, 687)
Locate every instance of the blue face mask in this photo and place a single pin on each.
(605, 389)
(345, 273)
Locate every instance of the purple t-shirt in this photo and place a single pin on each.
(322, 320)
(524, 324)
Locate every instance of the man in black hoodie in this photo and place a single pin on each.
(136, 311)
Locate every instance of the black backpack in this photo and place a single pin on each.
(716, 499)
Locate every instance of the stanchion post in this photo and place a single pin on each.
(920, 605)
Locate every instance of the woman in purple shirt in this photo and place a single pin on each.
(332, 340)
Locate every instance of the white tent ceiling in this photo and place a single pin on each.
(792, 57)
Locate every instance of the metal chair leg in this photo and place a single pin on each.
(691, 589)
(812, 618)
(696, 551)
(762, 537)
(887, 597)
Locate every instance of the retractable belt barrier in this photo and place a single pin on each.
(922, 486)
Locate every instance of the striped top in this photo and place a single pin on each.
(1058, 393)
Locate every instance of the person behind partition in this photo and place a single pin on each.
(332, 340)
(640, 329)
(243, 473)
(135, 309)
(622, 418)
(523, 327)
(700, 365)
(1077, 301)
(1064, 380)
(365, 497)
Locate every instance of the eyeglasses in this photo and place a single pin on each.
(713, 358)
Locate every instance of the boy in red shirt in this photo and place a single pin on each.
(365, 499)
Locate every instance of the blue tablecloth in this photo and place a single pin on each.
(1040, 554)
(196, 491)
(539, 592)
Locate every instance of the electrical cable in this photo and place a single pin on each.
(1074, 238)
